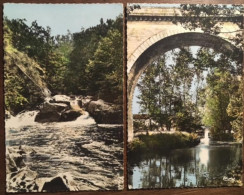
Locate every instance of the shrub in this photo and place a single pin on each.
(162, 143)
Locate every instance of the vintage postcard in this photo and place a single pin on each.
(63, 89)
(184, 68)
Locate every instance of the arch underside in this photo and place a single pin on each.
(167, 44)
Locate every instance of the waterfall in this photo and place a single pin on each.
(26, 118)
(205, 140)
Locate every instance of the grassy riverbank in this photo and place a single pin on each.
(161, 143)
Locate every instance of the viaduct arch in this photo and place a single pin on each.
(144, 45)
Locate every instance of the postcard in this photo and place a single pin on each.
(63, 89)
(184, 87)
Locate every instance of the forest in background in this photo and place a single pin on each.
(197, 89)
(192, 90)
(89, 62)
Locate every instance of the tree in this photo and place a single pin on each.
(20, 93)
(85, 44)
(105, 70)
(235, 110)
(186, 119)
(183, 61)
(69, 64)
(219, 90)
(39, 45)
(207, 16)
(35, 40)
(203, 61)
(147, 90)
(163, 90)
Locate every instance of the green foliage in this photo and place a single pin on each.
(20, 93)
(235, 111)
(14, 101)
(185, 121)
(108, 58)
(78, 79)
(68, 64)
(221, 85)
(147, 98)
(35, 40)
(167, 97)
(161, 143)
(164, 92)
(39, 45)
(221, 136)
(207, 16)
(137, 146)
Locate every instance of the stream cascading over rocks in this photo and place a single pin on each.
(70, 152)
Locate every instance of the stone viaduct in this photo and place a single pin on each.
(151, 32)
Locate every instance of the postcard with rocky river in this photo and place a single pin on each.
(63, 82)
(184, 85)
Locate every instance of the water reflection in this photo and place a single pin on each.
(204, 156)
(204, 165)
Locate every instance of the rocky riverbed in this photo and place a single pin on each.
(63, 156)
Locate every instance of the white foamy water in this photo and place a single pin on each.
(22, 119)
(205, 140)
(84, 120)
(80, 147)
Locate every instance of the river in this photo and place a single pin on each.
(209, 164)
(91, 154)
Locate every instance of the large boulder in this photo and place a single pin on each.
(86, 100)
(51, 112)
(62, 182)
(69, 115)
(44, 117)
(58, 109)
(61, 99)
(105, 113)
(56, 184)
(53, 107)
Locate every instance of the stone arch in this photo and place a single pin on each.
(149, 42)
(166, 44)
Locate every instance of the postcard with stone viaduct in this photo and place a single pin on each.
(184, 87)
(63, 82)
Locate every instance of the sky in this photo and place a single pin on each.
(63, 17)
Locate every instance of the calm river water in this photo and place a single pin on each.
(208, 164)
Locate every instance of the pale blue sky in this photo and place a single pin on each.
(63, 17)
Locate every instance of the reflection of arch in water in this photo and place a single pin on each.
(166, 44)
